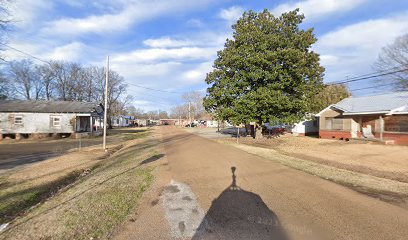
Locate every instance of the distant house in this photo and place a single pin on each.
(122, 121)
(382, 117)
(171, 121)
(211, 123)
(305, 128)
(19, 117)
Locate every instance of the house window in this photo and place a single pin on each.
(56, 121)
(334, 123)
(18, 120)
(117, 121)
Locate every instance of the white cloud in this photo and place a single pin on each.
(166, 54)
(231, 14)
(197, 23)
(368, 34)
(129, 14)
(27, 13)
(198, 74)
(167, 42)
(351, 50)
(318, 8)
(135, 71)
(70, 52)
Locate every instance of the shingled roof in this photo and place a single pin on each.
(391, 103)
(47, 106)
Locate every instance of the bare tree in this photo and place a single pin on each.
(153, 115)
(394, 57)
(47, 78)
(180, 111)
(5, 90)
(24, 78)
(163, 115)
(131, 110)
(4, 21)
(195, 99)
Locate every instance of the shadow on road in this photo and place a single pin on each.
(239, 214)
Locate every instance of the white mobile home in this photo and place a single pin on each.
(47, 117)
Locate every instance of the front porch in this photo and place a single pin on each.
(389, 129)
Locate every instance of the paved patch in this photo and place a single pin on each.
(182, 209)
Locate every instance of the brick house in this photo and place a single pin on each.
(381, 117)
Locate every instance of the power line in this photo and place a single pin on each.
(39, 59)
(368, 74)
(376, 86)
(153, 89)
(369, 77)
(25, 53)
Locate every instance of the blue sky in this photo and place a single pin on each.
(171, 44)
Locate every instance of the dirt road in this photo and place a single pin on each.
(208, 190)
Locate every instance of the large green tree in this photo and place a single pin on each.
(267, 72)
(330, 94)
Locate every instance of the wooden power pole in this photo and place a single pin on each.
(105, 112)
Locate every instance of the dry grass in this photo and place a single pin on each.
(96, 203)
(383, 161)
(25, 187)
(385, 189)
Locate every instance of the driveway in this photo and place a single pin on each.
(208, 190)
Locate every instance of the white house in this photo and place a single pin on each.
(304, 128)
(19, 117)
(121, 121)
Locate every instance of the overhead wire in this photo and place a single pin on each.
(349, 80)
(368, 77)
(44, 61)
(25, 53)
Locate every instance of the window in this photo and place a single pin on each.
(18, 120)
(334, 123)
(56, 121)
(117, 121)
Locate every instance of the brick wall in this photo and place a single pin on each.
(399, 138)
(334, 134)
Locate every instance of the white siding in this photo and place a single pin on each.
(37, 123)
(305, 127)
(120, 122)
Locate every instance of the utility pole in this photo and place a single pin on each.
(105, 113)
(189, 113)
(238, 134)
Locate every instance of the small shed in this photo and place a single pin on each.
(18, 117)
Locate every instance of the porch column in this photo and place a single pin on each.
(381, 128)
(1, 136)
(90, 120)
(360, 122)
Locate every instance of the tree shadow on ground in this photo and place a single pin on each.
(152, 159)
(239, 214)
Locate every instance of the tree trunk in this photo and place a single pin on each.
(258, 132)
